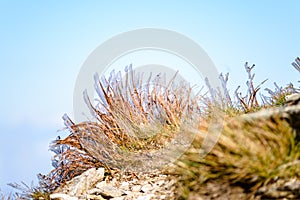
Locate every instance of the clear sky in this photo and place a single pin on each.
(44, 43)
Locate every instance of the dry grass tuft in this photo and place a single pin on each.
(249, 102)
(28, 192)
(131, 116)
(248, 153)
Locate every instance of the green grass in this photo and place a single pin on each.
(250, 154)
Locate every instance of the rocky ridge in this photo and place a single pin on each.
(93, 184)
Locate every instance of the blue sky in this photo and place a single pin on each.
(44, 43)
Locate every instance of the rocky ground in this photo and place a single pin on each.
(92, 184)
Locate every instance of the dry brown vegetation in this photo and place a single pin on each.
(133, 117)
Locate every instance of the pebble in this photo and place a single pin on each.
(136, 188)
(124, 186)
(146, 197)
(94, 197)
(118, 198)
(109, 191)
(61, 196)
(146, 188)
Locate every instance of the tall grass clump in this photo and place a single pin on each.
(251, 151)
(278, 96)
(133, 117)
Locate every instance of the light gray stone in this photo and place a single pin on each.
(109, 191)
(79, 185)
(145, 197)
(292, 99)
(118, 198)
(136, 188)
(61, 196)
(146, 188)
(124, 186)
(94, 197)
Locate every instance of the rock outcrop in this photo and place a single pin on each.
(93, 185)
